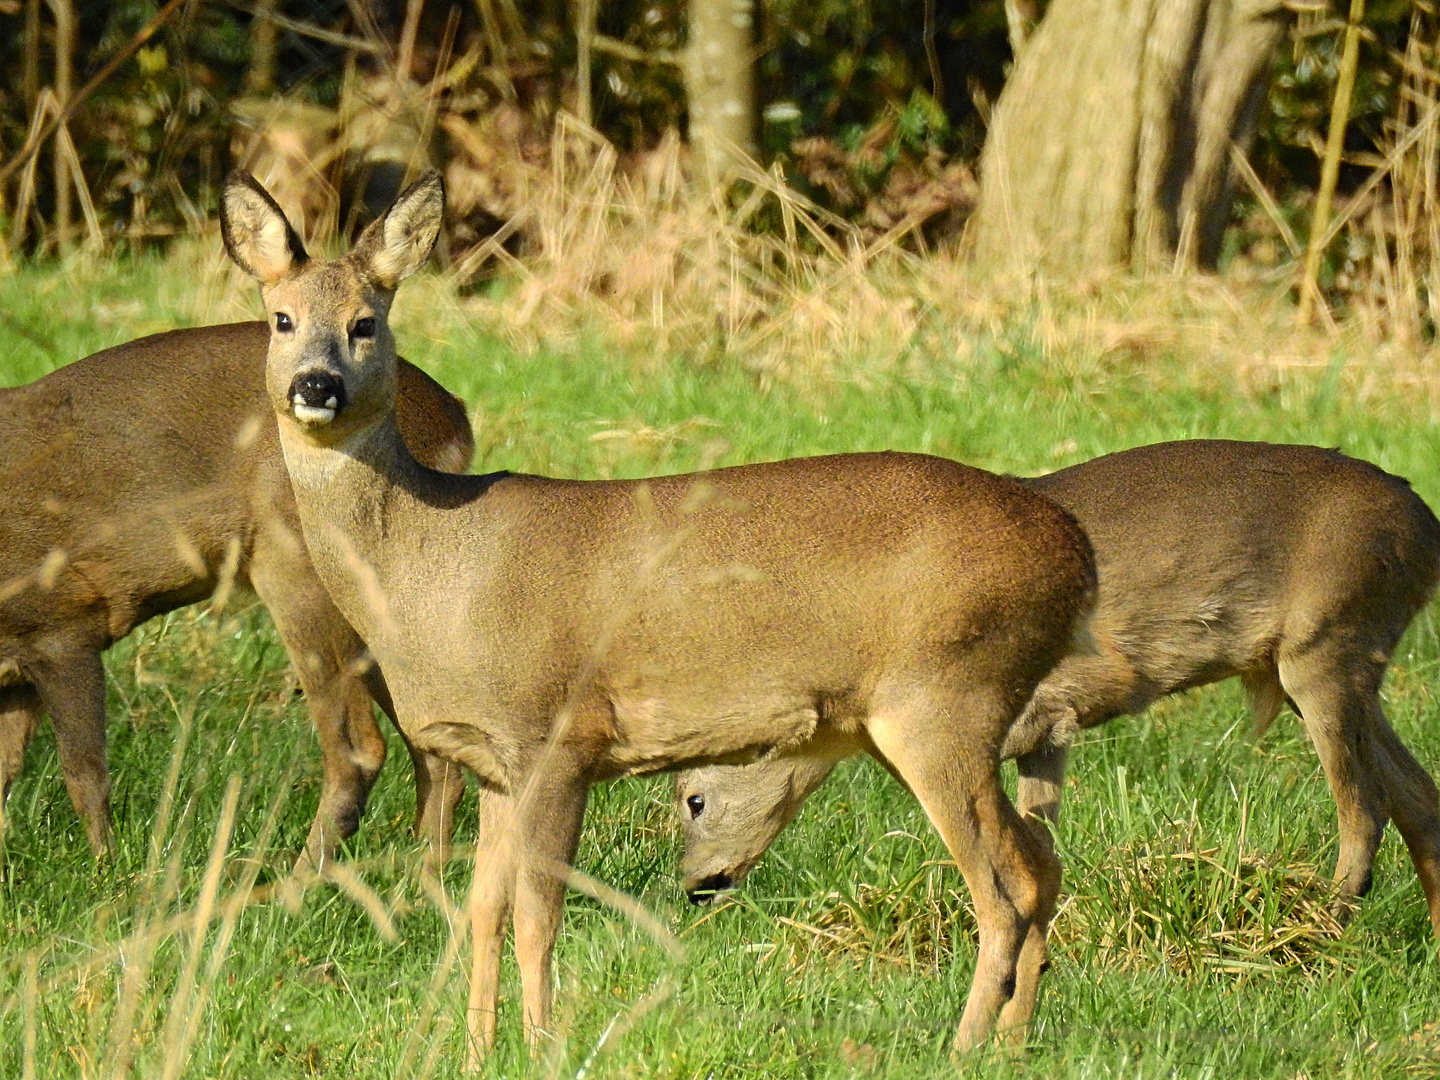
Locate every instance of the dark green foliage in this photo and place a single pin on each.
(156, 133)
(1295, 120)
(875, 110)
(848, 66)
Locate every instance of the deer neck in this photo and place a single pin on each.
(353, 503)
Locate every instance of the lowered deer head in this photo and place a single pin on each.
(1293, 567)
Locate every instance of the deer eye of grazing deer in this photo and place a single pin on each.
(283, 323)
(364, 328)
(696, 803)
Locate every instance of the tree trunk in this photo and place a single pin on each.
(64, 12)
(1110, 144)
(260, 79)
(720, 82)
(584, 40)
(30, 79)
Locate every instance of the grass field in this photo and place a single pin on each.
(1192, 941)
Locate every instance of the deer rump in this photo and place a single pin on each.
(140, 479)
(1295, 568)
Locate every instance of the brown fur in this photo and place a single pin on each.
(549, 634)
(1297, 569)
(135, 481)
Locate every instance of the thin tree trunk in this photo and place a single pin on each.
(260, 79)
(584, 41)
(1110, 144)
(64, 11)
(720, 82)
(30, 80)
(1330, 169)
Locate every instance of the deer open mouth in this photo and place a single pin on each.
(708, 889)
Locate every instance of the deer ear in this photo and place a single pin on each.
(255, 230)
(396, 245)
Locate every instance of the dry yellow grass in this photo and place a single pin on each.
(1191, 912)
(634, 258)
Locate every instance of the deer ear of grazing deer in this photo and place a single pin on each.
(332, 355)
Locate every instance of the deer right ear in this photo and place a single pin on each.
(256, 232)
(397, 244)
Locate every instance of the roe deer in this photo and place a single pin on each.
(137, 480)
(1295, 568)
(549, 634)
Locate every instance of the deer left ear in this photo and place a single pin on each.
(256, 232)
(395, 246)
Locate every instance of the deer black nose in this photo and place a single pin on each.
(709, 888)
(318, 390)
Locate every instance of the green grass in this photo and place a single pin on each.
(318, 991)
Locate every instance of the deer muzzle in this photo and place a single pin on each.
(705, 890)
(316, 397)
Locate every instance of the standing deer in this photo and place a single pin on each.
(549, 634)
(1297, 569)
(140, 479)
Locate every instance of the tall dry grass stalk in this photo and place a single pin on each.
(1395, 216)
(657, 266)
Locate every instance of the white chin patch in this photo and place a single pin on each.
(314, 414)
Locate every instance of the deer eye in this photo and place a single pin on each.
(283, 323)
(364, 328)
(696, 803)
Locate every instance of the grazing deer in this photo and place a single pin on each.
(1295, 568)
(549, 634)
(141, 479)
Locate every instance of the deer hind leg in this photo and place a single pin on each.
(1042, 772)
(352, 750)
(326, 655)
(71, 682)
(948, 756)
(1037, 798)
(1413, 802)
(439, 785)
(551, 814)
(20, 712)
(1336, 694)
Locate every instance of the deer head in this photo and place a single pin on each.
(331, 364)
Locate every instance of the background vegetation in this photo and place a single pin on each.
(876, 111)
